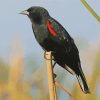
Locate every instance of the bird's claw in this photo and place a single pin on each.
(47, 54)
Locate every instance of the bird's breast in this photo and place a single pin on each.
(46, 40)
(41, 33)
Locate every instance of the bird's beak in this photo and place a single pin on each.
(25, 12)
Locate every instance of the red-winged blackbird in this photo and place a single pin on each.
(52, 36)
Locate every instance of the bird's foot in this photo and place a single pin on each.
(45, 53)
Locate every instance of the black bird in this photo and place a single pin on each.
(52, 36)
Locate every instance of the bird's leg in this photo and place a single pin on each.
(53, 67)
(54, 75)
(53, 64)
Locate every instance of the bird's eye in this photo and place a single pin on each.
(29, 10)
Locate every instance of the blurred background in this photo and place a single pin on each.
(23, 73)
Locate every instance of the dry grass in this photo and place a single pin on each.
(14, 87)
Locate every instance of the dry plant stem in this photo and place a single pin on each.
(55, 91)
(52, 88)
(59, 85)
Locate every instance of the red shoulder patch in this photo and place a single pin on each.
(52, 32)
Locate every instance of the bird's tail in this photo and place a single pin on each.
(82, 82)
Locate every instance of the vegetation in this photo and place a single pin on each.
(15, 86)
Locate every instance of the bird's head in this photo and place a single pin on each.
(36, 14)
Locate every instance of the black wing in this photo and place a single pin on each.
(64, 37)
(71, 57)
